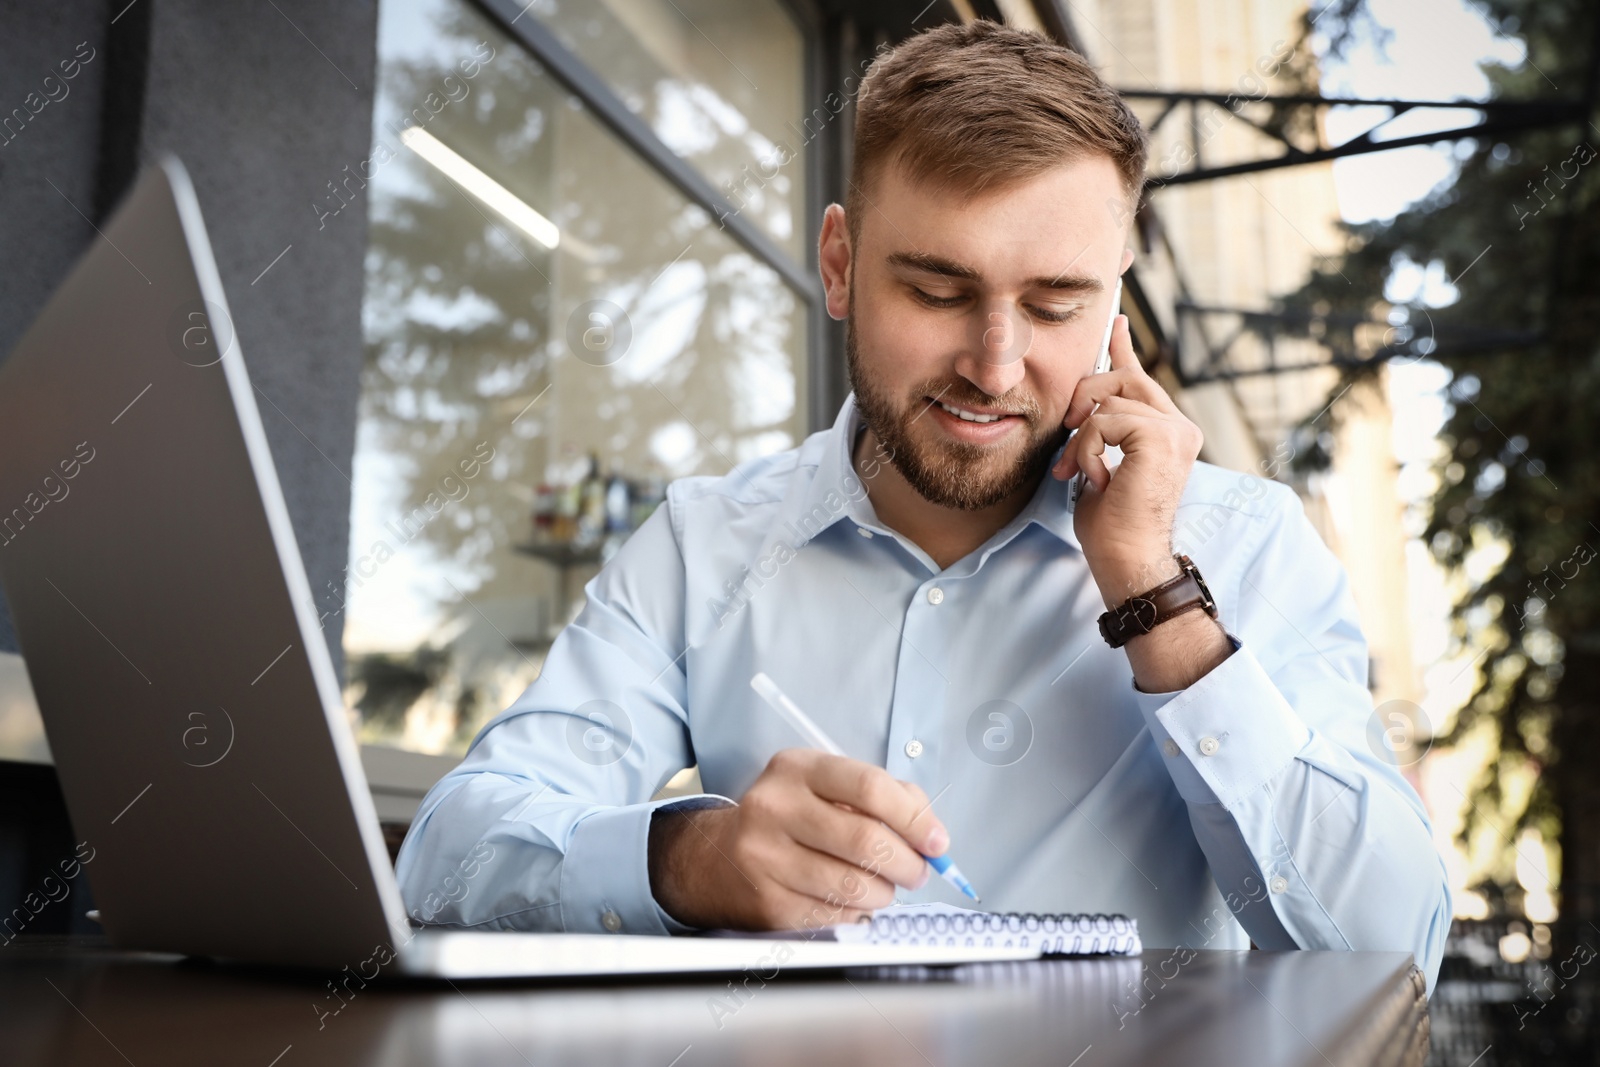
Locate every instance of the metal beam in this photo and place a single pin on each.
(1271, 324)
(1501, 118)
(1314, 99)
(1463, 348)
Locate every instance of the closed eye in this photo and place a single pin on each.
(1054, 317)
(937, 301)
(1043, 314)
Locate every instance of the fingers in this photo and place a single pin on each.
(1072, 456)
(1085, 452)
(809, 843)
(862, 842)
(1098, 388)
(874, 792)
(831, 881)
(1121, 351)
(1118, 404)
(776, 882)
(1108, 426)
(1126, 378)
(778, 907)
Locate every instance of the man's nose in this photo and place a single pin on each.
(994, 357)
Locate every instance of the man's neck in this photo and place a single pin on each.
(945, 534)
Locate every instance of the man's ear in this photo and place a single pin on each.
(834, 260)
(1127, 261)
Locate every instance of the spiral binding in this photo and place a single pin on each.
(1064, 934)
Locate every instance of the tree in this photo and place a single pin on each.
(1522, 345)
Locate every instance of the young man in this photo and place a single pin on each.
(917, 579)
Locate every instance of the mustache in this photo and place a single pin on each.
(962, 393)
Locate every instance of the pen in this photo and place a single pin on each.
(813, 733)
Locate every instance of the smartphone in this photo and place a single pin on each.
(1102, 364)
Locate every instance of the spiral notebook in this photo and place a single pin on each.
(947, 926)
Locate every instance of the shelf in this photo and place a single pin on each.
(562, 554)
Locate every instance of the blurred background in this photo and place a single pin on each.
(502, 270)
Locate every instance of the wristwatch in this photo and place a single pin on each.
(1143, 613)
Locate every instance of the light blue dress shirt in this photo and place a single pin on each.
(1251, 805)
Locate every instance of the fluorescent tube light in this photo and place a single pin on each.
(480, 185)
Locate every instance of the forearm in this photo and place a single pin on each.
(509, 853)
(1178, 652)
(1329, 856)
(674, 853)
(1313, 844)
(461, 865)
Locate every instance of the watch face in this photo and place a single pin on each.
(1207, 602)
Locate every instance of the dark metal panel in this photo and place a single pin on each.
(821, 75)
(122, 106)
(263, 118)
(48, 153)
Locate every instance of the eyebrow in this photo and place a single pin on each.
(927, 263)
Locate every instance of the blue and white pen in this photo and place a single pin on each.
(769, 691)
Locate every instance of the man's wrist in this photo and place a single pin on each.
(1132, 574)
(667, 826)
(671, 860)
(1177, 653)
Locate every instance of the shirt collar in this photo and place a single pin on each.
(837, 492)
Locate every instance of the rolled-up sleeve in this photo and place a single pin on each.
(1314, 837)
(545, 824)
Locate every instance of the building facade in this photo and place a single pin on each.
(501, 270)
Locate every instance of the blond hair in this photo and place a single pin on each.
(974, 107)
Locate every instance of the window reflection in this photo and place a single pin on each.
(552, 333)
(721, 83)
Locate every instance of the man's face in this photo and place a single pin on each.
(993, 306)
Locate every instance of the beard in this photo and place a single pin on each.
(951, 474)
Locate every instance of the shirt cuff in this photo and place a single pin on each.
(1226, 735)
(605, 874)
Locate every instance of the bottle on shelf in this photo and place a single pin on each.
(619, 496)
(591, 504)
(648, 493)
(564, 528)
(544, 513)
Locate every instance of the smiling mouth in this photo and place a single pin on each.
(969, 415)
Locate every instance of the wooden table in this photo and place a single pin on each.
(75, 1002)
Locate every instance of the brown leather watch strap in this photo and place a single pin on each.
(1143, 613)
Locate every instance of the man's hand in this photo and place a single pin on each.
(818, 839)
(1124, 521)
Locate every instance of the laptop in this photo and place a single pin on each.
(169, 631)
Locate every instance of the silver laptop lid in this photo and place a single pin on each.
(165, 617)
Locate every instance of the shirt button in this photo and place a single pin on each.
(611, 921)
(1170, 747)
(913, 748)
(936, 595)
(1278, 884)
(1209, 746)
(863, 531)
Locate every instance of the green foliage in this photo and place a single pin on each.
(1518, 231)
(389, 684)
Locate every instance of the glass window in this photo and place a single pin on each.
(721, 82)
(552, 333)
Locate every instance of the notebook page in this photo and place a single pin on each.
(949, 926)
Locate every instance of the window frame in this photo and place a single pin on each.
(577, 77)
